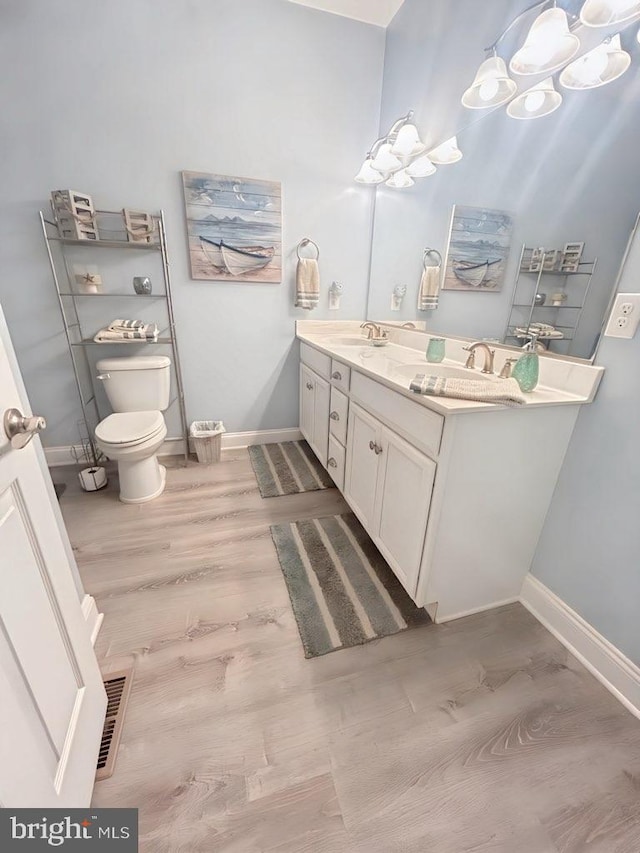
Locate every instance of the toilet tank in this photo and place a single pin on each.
(137, 384)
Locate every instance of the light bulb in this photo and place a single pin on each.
(421, 168)
(602, 13)
(488, 90)
(638, 36)
(407, 142)
(446, 153)
(534, 101)
(591, 67)
(385, 161)
(368, 175)
(400, 180)
(548, 46)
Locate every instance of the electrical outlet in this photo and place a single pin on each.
(624, 317)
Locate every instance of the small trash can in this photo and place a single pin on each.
(207, 440)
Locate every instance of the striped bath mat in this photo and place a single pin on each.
(342, 591)
(287, 468)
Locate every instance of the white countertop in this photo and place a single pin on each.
(379, 363)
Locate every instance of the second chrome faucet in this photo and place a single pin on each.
(488, 356)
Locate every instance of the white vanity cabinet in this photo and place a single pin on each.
(314, 411)
(454, 500)
(388, 484)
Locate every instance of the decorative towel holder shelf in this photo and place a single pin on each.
(427, 254)
(307, 241)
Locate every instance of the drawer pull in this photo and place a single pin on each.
(336, 375)
(331, 462)
(334, 416)
(375, 447)
(310, 386)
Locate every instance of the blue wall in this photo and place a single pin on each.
(569, 176)
(116, 99)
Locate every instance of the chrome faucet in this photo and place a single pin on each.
(488, 356)
(373, 330)
(505, 373)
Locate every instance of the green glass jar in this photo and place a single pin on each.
(435, 350)
(526, 371)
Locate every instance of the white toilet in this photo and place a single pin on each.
(138, 390)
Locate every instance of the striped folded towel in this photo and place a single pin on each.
(307, 284)
(505, 392)
(429, 289)
(123, 330)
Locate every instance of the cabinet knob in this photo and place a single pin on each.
(310, 386)
(336, 375)
(375, 447)
(334, 416)
(331, 462)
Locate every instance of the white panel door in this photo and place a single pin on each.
(321, 405)
(361, 470)
(405, 485)
(307, 394)
(52, 700)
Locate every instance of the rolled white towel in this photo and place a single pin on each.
(307, 284)
(505, 392)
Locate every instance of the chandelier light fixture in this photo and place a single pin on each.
(548, 47)
(397, 158)
(540, 100)
(551, 46)
(602, 65)
(446, 153)
(605, 13)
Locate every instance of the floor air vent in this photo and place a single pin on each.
(118, 687)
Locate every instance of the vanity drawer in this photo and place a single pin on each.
(335, 462)
(338, 415)
(340, 375)
(316, 360)
(419, 425)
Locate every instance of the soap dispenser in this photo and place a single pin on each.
(527, 368)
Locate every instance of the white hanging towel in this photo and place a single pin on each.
(429, 289)
(307, 284)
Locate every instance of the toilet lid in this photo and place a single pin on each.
(129, 427)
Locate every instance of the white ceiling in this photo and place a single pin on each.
(378, 12)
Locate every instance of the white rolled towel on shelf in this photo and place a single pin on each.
(128, 330)
(307, 284)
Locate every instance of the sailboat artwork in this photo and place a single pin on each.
(479, 244)
(234, 228)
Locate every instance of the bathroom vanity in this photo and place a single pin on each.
(453, 492)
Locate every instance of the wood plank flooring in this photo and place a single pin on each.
(479, 736)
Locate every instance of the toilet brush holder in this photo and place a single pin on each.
(93, 479)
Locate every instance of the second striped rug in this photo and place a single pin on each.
(342, 591)
(287, 468)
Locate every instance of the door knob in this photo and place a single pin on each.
(309, 386)
(334, 416)
(375, 447)
(21, 429)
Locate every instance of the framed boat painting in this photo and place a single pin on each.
(479, 243)
(234, 228)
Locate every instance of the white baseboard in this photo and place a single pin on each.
(439, 619)
(62, 455)
(92, 617)
(603, 660)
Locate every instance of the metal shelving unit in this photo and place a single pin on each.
(79, 342)
(531, 313)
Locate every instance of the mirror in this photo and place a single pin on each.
(567, 178)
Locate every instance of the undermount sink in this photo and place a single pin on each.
(346, 341)
(409, 371)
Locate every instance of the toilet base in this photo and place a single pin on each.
(142, 480)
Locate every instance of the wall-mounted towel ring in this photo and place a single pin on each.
(431, 254)
(306, 241)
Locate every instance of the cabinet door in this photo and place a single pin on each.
(307, 395)
(321, 419)
(404, 495)
(361, 471)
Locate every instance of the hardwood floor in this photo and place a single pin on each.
(479, 736)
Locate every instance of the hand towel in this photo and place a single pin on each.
(429, 289)
(123, 325)
(307, 284)
(504, 392)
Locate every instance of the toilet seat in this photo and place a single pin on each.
(129, 428)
